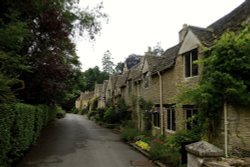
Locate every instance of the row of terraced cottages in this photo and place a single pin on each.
(160, 79)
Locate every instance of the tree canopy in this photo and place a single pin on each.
(36, 46)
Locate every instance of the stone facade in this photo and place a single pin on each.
(238, 128)
(161, 79)
(83, 100)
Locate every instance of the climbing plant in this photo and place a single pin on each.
(145, 107)
(225, 77)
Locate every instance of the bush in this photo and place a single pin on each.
(157, 149)
(75, 111)
(92, 115)
(60, 113)
(20, 127)
(117, 114)
(174, 143)
(129, 133)
(7, 117)
(110, 115)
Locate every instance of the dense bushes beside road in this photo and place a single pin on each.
(20, 126)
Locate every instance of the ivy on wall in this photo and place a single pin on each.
(225, 78)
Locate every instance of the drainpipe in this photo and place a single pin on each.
(225, 129)
(138, 108)
(161, 105)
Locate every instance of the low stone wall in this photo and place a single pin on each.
(228, 162)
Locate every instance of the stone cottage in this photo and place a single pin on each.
(160, 79)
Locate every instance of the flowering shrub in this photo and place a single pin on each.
(143, 145)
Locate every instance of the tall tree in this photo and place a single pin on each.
(119, 68)
(93, 76)
(132, 60)
(36, 44)
(107, 63)
(157, 49)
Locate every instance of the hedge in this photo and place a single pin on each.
(20, 126)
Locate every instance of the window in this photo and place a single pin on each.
(156, 117)
(190, 113)
(171, 125)
(191, 68)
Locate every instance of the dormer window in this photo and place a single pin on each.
(191, 68)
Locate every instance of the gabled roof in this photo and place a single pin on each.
(135, 71)
(233, 20)
(155, 63)
(86, 95)
(205, 36)
(170, 56)
(122, 80)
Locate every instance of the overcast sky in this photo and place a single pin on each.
(136, 24)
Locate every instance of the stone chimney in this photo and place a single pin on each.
(183, 32)
(149, 52)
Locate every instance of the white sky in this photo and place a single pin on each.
(136, 24)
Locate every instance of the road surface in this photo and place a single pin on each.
(74, 141)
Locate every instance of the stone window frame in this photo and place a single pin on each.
(191, 68)
(190, 111)
(170, 118)
(156, 117)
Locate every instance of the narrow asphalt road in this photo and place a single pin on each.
(74, 141)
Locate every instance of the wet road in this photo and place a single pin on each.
(77, 142)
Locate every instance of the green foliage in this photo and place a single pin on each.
(92, 114)
(145, 107)
(157, 149)
(110, 115)
(117, 114)
(74, 110)
(225, 78)
(7, 117)
(227, 68)
(6, 94)
(36, 46)
(93, 76)
(107, 63)
(93, 103)
(60, 113)
(20, 126)
(119, 68)
(100, 114)
(129, 133)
